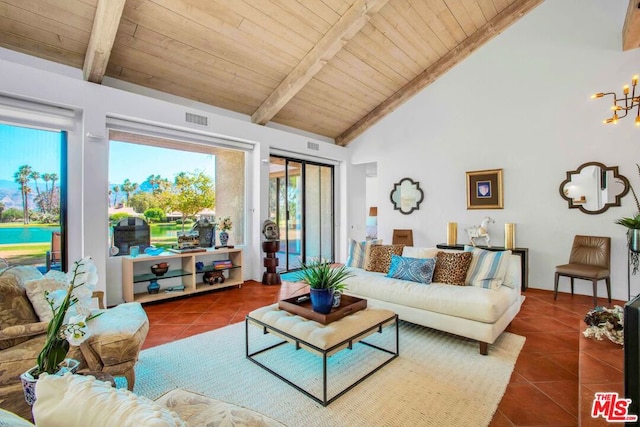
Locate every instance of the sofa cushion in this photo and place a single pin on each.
(380, 257)
(466, 302)
(9, 419)
(36, 292)
(21, 273)
(416, 252)
(451, 268)
(15, 309)
(359, 251)
(414, 269)
(95, 403)
(488, 268)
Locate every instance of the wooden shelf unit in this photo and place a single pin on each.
(136, 273)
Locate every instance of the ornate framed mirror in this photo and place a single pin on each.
(593, 188)
(406, 196)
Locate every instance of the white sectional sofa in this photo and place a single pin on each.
(469, 311)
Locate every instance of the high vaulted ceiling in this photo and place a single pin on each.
(330, 67)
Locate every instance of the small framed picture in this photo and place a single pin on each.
(484, 189)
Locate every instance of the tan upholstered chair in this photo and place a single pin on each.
(402, 237)
(113, 347)
(589, 260)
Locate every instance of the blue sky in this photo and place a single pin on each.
(37, 148)
(41, 150)
(137, 162)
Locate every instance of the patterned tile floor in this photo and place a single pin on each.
(543, 390)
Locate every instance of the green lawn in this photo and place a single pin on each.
(21, 225)
(24, 254)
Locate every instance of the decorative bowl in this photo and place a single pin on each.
(159, 270)
(153, 251)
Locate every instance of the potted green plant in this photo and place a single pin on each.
(323, 280)
(633, 229)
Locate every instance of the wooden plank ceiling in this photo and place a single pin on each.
(331, 67)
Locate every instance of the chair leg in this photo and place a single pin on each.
(572, 286)
(555, 287)
(608, 282)
(130, 375)
(595, 292)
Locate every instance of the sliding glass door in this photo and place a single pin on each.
(301, 203)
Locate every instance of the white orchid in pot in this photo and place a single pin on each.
(62, 331)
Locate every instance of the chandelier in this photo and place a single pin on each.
(623, 105)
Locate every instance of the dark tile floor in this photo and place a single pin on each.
(543, 390)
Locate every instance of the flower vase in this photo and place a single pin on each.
(153, 287)
(29, 382)
(224, 238)
(321, 300)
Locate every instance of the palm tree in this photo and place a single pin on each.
(22, 177)
(116, 190)
(1, 210)
(35, 176)
(154, 182)
(109, 197)
(128, 187)
(54, 178)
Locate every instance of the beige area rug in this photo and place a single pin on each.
(438, 379)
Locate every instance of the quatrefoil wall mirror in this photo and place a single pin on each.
(406, 196)
(593, 188)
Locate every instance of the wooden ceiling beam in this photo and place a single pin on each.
(495, 26)
(631, 29)
(347, 26)
(103, 34)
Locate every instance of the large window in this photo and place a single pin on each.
(173, 184)
(32, 195)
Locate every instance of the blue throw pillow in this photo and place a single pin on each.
(413, 269)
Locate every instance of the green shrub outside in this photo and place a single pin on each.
(154, 215)
(116, 218)
(186, 221)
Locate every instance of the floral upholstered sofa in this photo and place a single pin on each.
(473, 293)
(113, 347)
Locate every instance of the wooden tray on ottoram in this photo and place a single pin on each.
(301, 305)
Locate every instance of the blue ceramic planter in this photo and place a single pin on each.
(321, 300)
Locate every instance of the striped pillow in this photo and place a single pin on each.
(488, 269)
(359, 251)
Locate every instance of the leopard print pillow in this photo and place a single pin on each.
(380, 257)
(451, 268)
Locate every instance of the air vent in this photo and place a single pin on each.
(196, 119)
(313, 146)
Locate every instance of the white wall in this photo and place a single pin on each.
(520, 103)
(31, 78)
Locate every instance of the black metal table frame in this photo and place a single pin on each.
(324, 352)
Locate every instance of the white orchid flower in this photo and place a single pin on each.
(83, 298)
(56, 297)
(76, 331)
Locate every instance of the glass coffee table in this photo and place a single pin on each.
(325, 341)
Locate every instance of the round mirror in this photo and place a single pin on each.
(406, 196)
(594, 187)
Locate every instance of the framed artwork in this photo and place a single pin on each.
(484, 189)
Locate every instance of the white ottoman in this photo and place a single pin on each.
(323, 340)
